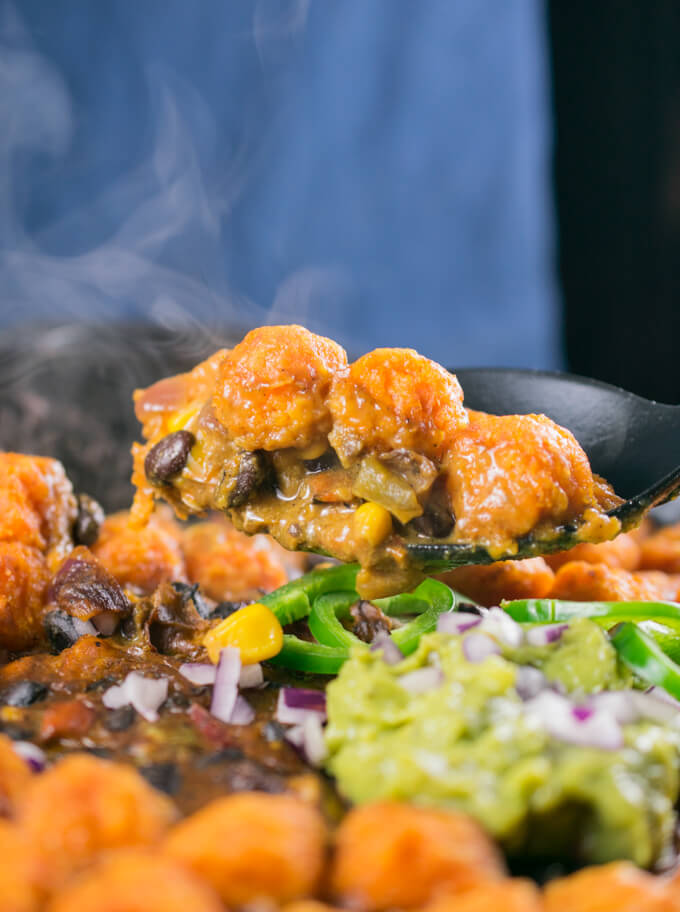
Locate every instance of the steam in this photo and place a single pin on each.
(161, 261)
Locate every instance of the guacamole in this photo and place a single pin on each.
(469, 741)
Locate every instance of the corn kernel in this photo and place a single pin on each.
(372, 523)
(11, 714)
(254, 630)
(182, 418)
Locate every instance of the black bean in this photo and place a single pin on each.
(224, 609)
(163, 776)
(253, 470)
(89, 519)
(226, 755)
(118, 720)
(16, 732)
(60, 629)
(103, 752)
(191, 593)
(84, 586)
(101, 684)
(323, 463)
(168, 456)
(23, 693)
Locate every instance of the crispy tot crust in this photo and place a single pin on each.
(137, 881)
(20, 874)
(140, 558)
(623, 551)
(580, 581)
(661, 550)
(272, 388)
(37, 506)
(615, 887)
(252, 846)
(228, 565)
(24, 578)
(490, 584)
(390, 854)
(512, 895)
(514, 472)
(15, 774)
(394, 398)
(83, 806)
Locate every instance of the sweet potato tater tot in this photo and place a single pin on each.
(24, 578)
(272, 388)
(396, 855)
(37, 506)
(253, 846)
(140, 558)
(487, 585)
(394, 398)
(19, 872)
(509, 474)
(137, 881)
(15, 775)
(84, 806)
(615, 887)
(228, 565)
(661, 550)
(516, 895)
(623, 551)
(582, 582)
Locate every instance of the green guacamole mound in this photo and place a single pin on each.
(469, 744)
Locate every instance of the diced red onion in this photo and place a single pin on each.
(391, 653)
(83, 628)
(498, 623)
(657, 705)
(308, 737)
(545, 634)
(529, 682)
(144, 694)
(199, 673)
(621, 704)
(457, 622)
(296, 715)
(421, 680)
(243, 713)
(106, 623)
(251, 676)
(582, 725)
(225, 690)
(32, 754)
(479, 646)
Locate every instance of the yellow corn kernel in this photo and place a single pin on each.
(11, 714)
(181, 418)
(254, 630)
(372, 523)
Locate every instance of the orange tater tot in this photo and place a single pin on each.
(623, 551)
(615, 887)
(228, 565)
(252, 846)
(514, 472)
(490, 584)
(661, 550)
(83, 806)
(394, 398)
(391, 854)
(24, 578)
(583, 582)
(137, 881)
(15, 774)
(19, 872)
(272, 388)
(37, 506)
(140, 558)
(516, 895)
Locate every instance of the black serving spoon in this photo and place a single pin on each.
(630, 441)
